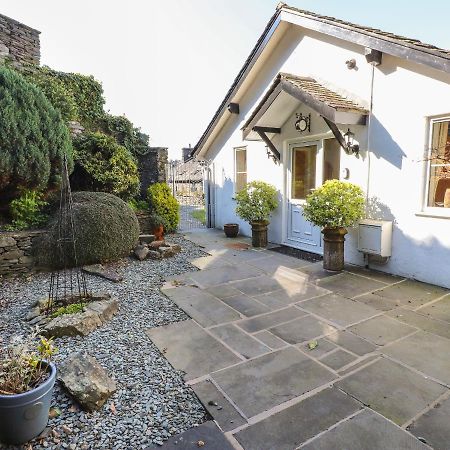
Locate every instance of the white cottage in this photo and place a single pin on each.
(319, 98)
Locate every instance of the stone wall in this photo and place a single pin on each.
(152, 167)
(18, 42)
(15, 252)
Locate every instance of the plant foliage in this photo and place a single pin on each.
(164, 204)
(26, 211)
(33, 137)
(256, 201)
(104, 165)
(73, 308)
(335, 204)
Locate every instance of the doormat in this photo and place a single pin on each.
(297, 253)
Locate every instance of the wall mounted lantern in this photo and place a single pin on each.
(303, 123)
(350, 146)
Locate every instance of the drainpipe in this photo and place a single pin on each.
(368, 137)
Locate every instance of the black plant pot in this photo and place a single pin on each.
(24, 416)
(231, 230)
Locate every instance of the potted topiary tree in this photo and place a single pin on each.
(334, 207)
(255, 203)
(27, 378)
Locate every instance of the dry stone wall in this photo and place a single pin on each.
(19, 43)
(15, 252)
(152, 167)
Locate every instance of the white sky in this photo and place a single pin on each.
(167, 64)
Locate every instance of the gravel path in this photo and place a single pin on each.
(152, 402)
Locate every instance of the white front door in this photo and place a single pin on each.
(304, 174)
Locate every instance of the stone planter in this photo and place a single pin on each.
(231, 230)
(333, 248)
(24, 416)
(259, 233)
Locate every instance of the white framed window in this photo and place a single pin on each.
(240, 168)
(437, 192)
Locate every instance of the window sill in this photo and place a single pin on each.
(435, 214)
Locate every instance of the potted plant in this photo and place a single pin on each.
(334, 207)
(231, 230)
(27, 378)
(255, 203)
(158, 225)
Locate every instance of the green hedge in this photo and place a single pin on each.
(164, 204)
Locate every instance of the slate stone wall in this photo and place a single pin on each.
(152, 168)
(16, 252)
(19, 43)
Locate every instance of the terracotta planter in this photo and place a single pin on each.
(259, 234)
(158, 232)
(333, 248)
(231, 230)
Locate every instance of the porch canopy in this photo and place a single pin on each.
(284, 96)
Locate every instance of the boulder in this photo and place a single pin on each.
(156, 244)
(141, 252)
(86, 380)
(103, 272)
(154, 254)
(7, 241)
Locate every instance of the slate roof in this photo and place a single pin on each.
(442, 62)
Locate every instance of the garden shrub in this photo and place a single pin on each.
(256, 201)
(164, 204)
(26, 211)
(335, 204)
(106, 229)
(33, 137)
(101, 164)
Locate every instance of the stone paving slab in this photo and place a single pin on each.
(420, 321)
(373, 274)
(377, 302)
(315, 272)
(412, 293)
(206, 436)
(267, 321)
(296, 424)
(262, 383)
(206, 309)
(382, 330)
(302, 329)
(352, 343)
(366, 431)
(239, 341)
(350, 285)
(439, 310)
(323, 347)
(191, 349)
(246, 305)
(223, 291)
(394, 391)
(434, 426)
(270, 340)
(210, 262)
(280, 298)
(222, 411)
(273, 263)
(220, 275)
(338, 309)
(338, 359)
(425, 352)
(257, 285)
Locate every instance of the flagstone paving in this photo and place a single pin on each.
(285, 355)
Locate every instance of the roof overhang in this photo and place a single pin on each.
(284, 96)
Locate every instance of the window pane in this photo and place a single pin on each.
(241, 181)
(241, 160)
(331, 160)
(439, 165)
(303, 171)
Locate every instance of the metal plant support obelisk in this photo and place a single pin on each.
(68, 283)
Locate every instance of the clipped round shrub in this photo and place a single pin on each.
(165, 205)
(256, 201)
(106, 229)
(335, 204)
(101, 164)
(33, 137)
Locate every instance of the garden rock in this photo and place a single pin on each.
(101, 271)
(169, 249)
(96, 313)
(86, 380)
(156, 244)
(146, 238)
(141, 252)
(154, 254)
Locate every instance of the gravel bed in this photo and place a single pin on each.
(152, 402)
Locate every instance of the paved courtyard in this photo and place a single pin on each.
(285, 355)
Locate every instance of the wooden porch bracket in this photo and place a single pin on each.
(336, 132)
(261, 131)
